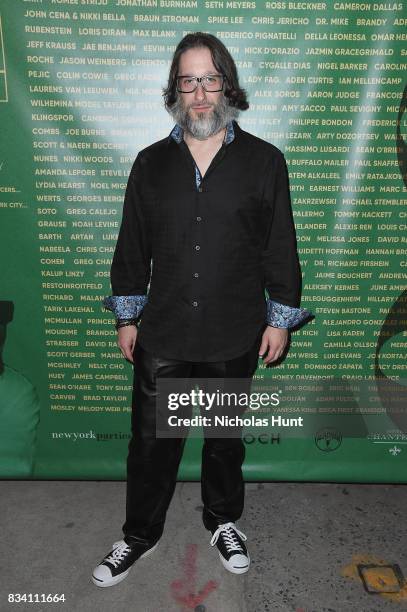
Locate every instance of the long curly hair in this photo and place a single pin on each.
(222, 61)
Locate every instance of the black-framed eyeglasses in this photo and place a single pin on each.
(209, 82)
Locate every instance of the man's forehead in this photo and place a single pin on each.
(198, 58)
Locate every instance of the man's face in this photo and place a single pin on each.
(201, 113)
(199, 103)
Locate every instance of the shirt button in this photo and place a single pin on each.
(197, 247)
(199, 218)
(196, 274)
(195, 304)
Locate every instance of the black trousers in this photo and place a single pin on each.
(152, 463)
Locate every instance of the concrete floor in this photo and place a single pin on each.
(305, 541)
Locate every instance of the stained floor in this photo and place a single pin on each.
(306, 541)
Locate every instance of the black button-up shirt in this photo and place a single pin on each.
(207, 255)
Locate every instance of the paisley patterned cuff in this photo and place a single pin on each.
(125, 306)
(280, 315)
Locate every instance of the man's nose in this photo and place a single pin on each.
(199, 93)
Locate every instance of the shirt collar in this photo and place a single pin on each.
(177, 133)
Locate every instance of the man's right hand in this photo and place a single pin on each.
(126, 340)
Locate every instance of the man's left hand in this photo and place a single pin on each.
(273, 343)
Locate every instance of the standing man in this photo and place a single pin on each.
(207, 227)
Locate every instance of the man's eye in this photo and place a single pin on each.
(187, 81)
(210, 79)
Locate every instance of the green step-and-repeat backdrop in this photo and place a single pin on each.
(80, 95)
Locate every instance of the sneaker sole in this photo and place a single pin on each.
(235, 570)
(123, 575)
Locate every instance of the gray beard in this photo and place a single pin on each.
(207, 124)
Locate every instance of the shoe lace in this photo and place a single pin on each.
(228, 532)
(120, 549)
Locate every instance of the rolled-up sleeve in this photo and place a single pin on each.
(281, 266)
(131, 265)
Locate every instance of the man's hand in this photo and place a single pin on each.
(126, 339)
(273, 341)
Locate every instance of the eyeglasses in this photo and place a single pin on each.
(209, 82)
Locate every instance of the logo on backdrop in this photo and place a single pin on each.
(263, 438)
(328, 439)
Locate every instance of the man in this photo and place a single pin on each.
(207, 227)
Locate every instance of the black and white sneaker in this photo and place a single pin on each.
(116, 566)
(232, 550)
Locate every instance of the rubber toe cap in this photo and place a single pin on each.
(102, 573)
